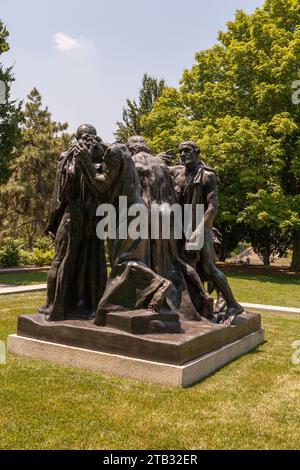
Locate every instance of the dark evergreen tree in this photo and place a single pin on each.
(10, 113)
(134, 111)
(24, 199)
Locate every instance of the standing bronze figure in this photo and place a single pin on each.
(77, 277)
(197, 184)
(186, 295)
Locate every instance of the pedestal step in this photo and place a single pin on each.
(143, 321)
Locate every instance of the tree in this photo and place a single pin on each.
(232, 234)
(268, 242)
(4, 47)
(10, 113)
(132, 114)
(240, 92)
(25, 197)
(269, 220)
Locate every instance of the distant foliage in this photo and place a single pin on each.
(236, 103)
(13, 253)
(36, 257)
(9, 253)
(24, 200)
(10, 114)
(134, 111)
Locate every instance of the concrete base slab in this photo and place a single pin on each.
(140, 369)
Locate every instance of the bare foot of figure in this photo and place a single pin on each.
(231, 313)
(44, 309)
(159, 297)
(154, 306)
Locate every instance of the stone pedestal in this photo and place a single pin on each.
(179, 359)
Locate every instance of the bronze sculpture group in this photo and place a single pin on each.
(157, 276)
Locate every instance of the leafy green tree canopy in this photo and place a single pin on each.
(236, 103)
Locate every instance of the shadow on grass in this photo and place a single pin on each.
(18, 279)
(264, 278)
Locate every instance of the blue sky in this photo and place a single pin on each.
(87, 57)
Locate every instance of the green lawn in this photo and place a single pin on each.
(266, 289)
(24, 278)
(254, 402)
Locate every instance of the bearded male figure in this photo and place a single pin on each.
(197, 184)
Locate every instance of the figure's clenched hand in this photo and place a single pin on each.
(81, 151)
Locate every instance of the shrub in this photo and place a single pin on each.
(43, 243)
(26, 258)
(42, 257)
(10, 253)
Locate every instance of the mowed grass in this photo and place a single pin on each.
(252, 403)
(282, 290)
(24, 278)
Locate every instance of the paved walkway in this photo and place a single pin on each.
(24, 269)
(22, 289)
(253, 308)
(258, 308)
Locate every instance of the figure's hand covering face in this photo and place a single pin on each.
(96, 147)
(87, 133)
(83, 151)
(91, 146)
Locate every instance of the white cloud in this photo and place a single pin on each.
(65, 43)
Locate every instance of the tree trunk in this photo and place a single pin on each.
(266, 259)
(267, 251)
(221, 253)
(295, 266)
(266, 254)
(30, 240)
